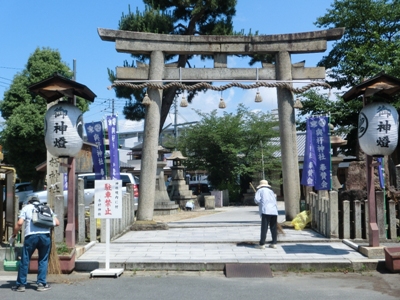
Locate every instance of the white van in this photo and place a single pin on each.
(88, 186)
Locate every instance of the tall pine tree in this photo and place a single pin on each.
(189, 17)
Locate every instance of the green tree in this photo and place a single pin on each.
(343, 115)
(23, 135)
(229, 147)
(189, 17)
(370, 44)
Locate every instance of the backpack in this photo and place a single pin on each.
(42, 216)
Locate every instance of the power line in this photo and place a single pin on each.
(11, 68)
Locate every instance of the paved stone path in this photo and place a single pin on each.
(213, 240)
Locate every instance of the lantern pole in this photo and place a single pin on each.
(373, 230)
(70, 229)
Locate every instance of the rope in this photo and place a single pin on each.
(202, 85)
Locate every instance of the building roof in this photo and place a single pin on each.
(57, 86)
(382, 85)
(301, 145)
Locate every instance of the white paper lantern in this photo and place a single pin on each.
(378, 125)
(63, 130)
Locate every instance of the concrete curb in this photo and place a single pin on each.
(79, 250)
(351, 244)
(311, 266)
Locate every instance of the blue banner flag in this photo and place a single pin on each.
(113, 143)
(95, 135)
(317, 157)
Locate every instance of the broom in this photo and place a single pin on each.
(54, 263)
(279, 227)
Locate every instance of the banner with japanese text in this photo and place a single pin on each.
(108, 199)
(112, 122)
(317, 156)
(95, 135)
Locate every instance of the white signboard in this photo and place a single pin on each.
(108, 199)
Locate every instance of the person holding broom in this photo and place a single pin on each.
(35, 238)
(266, 200)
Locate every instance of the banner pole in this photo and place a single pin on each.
(107, 244)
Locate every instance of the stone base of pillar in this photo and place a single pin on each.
(148, 225)
(165, 208)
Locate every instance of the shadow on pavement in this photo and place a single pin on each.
(319, 249)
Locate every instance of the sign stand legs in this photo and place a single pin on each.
(107, 271)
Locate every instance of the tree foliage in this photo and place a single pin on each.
(229, 147)
(23, 136)
(370, 44)
(189, 17)
(343, 115)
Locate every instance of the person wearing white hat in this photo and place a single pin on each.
(266, 200)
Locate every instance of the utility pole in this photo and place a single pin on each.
(262, 159)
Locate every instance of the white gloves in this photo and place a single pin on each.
(11, 240)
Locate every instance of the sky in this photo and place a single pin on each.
(71, 28)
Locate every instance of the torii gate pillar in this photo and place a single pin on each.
(287, 130)
(150, 147)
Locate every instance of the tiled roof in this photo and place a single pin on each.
(301, 145)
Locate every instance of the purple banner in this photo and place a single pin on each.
(112, 122)
(95, 135)
(308, 175)
(380, 172)
(317, 156)
(65, 181)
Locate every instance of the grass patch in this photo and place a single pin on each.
(63, 249)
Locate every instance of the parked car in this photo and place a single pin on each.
(22, 190)
(88, 185)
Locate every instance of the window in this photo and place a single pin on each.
(89, 182)
(125, 179)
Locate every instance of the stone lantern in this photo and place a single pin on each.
(180, 191)
(162, 203)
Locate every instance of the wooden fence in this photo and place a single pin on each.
(349, 219)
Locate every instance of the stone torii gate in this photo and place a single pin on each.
(283, 72)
